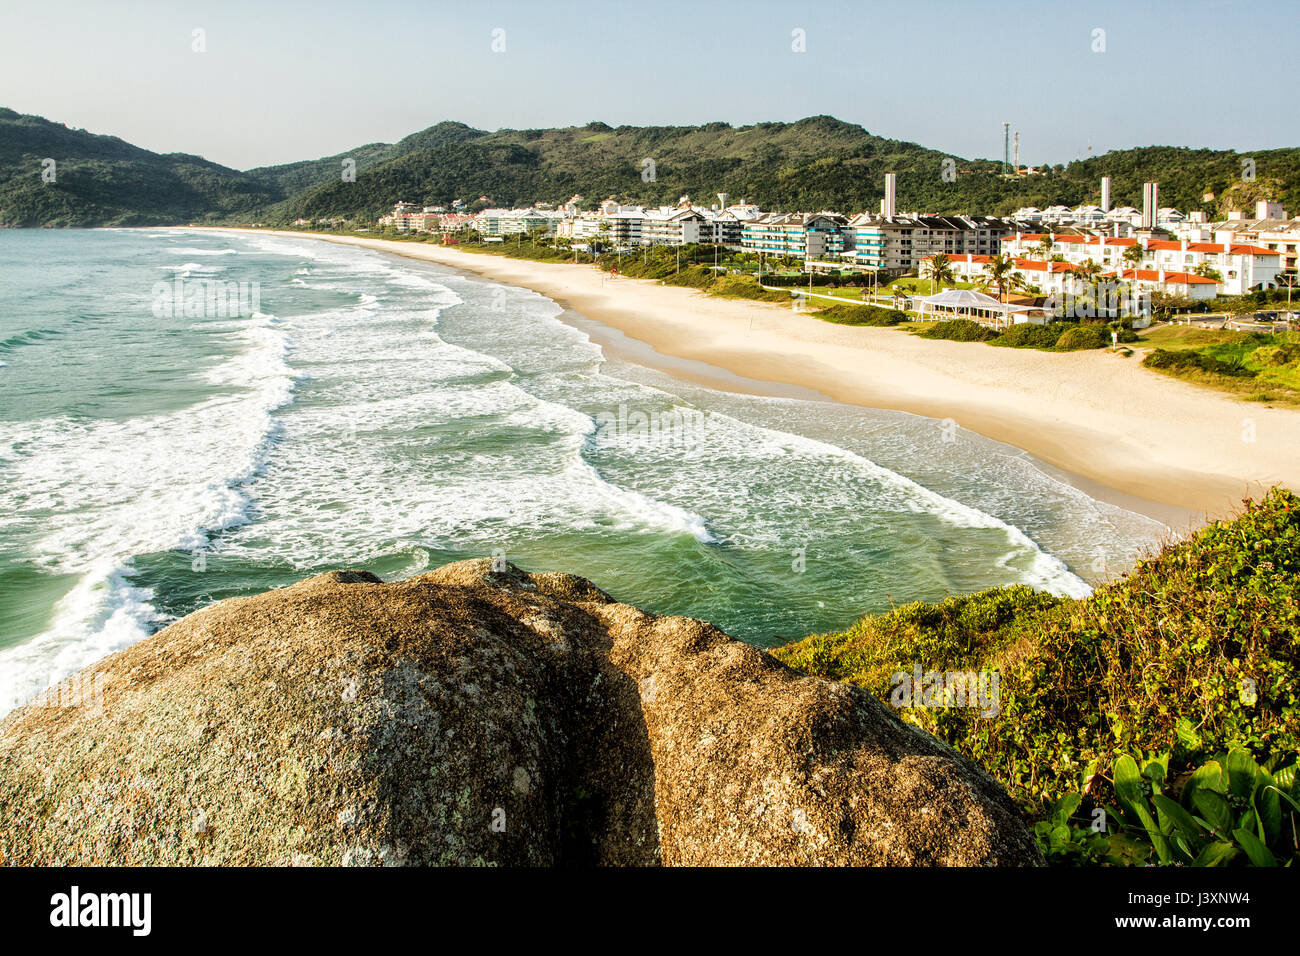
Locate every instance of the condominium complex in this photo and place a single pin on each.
(902, 243)
(1047, 277)
(797, 235)
(1241, 267)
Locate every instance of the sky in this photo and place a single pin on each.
(276, 82)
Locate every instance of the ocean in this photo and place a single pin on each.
(161, 449)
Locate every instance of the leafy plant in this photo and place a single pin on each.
(1229, 811)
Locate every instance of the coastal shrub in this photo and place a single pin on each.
(1192, 653)
(1029, 336)
(694, 277)
(1276, 355)
(745, 287)
(861, 315)
(1083, 337)
(1183, 360)
(959, 330)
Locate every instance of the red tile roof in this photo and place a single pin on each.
(1155, 245)
(1153, 275)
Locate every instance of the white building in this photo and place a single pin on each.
(677, 227)
(510, 222)
(901, 243)
(1242, 266)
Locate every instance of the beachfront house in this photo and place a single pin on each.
(1241, 267)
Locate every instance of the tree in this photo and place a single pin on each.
(1086, 272)
(1001, 273)
(1134, 255)
(938, 270)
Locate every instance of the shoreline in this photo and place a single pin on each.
(1120, 433)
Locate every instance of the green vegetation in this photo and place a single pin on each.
(103, 181)
(1188, 336)
(1228, 810)
(1190, 655)
(959, 330)
(861, 315)
(1083, 337)
(1054, 336)
(1030, 336)
(1259, 365)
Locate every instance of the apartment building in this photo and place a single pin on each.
(1243, 266)
(799, 235)
(730, 223)
(510, 222)
(408, 217)
(677, 227)
(1269, 229)
(902, 243)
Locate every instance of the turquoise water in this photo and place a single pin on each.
(371, 412)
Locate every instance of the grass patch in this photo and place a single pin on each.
(1258, 366)
(1189, 336)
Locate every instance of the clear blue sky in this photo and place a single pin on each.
(281, 81)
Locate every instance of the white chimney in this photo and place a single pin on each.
(1105, 194)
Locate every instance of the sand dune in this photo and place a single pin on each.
(1094, 414)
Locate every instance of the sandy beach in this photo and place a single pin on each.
(1127, 434)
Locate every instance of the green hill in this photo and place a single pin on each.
(293, 178)
(104, 181)
(816, 163)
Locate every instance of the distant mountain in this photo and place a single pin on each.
(102, 180)
(813, 164)
(817, 163)
(292, 178)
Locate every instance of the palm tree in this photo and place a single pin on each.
(1134, 255)
(1086, 272)
(1001, 274)
(939, 270)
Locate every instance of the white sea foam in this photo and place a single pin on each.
(90, 496)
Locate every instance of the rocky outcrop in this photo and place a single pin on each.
(468, 716)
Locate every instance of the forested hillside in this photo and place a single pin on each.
(816, 163)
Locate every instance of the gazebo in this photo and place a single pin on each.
(967, 304)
